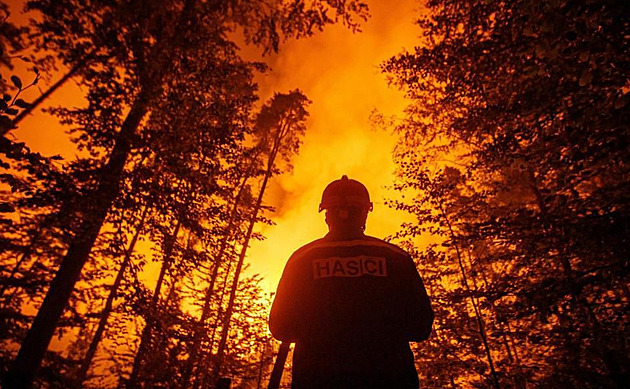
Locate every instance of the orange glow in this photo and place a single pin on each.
(339, 72)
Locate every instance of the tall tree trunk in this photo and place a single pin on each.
(146, 331)
(241, 259)
(205, 313)
(204, 362)
(476, 309)
(29, 358)
(511, 350)
(87, 360)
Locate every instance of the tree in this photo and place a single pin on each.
(280, 127)
(139, 48)
(528, 101)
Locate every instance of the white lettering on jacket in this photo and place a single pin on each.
(349, 267)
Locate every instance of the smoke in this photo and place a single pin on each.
(339, 71)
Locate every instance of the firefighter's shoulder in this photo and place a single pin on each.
(365, 241)
(299, 253)
(382, 243)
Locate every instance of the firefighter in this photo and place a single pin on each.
(351, 303)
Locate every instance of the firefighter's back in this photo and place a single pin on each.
(351, 303)
(355, 295)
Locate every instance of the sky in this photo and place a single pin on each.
(339, 72)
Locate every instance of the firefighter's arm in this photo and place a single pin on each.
(284, 315)
(420, 314)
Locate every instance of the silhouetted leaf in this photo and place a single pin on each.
(22, 104)
(16, 81)
(5, 123)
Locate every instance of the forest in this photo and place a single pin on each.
(123, 264)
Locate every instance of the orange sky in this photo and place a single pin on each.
(339, 72)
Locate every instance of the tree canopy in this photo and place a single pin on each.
(514, 147)
(164, 151)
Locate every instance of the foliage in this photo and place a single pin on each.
(162, 156)
(516, 145)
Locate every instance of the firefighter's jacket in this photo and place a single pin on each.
(351, 307)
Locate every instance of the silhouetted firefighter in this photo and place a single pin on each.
(351, 303)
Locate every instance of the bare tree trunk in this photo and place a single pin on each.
(87, 360)
(29, 358)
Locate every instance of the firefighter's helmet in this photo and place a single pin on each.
(345, 192)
